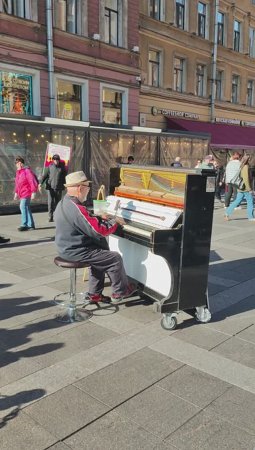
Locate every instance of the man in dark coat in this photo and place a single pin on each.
(54, 178)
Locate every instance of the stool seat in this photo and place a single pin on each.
(60, 262)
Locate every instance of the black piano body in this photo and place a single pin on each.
(167, 256)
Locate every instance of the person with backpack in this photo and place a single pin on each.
(244, 190)
(54, 178)
(26, 186)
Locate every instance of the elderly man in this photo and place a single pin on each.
(80, 236)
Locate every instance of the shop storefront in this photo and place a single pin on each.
(95, 149)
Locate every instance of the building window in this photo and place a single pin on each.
(70, 95)
(220, 20)
(154, 68)
(111, 22)
(219, 82)
(180, 13)
(68, 16)
(114, 105)
(252, 42)
(179, 74)
(201, 19)
(235, 88)
(200, 80)
(155, 9)
(27, 9)
(16, 93)
(249, 100)
(237, 33)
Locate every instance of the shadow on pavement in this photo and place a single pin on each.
(24, 243)
(5, 285)
(17, 400)
(11, 307)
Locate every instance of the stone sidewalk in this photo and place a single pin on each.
(119, 381)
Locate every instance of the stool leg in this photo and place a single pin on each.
(72, 304)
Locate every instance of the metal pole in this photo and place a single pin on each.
(50, 56)
(214, 59)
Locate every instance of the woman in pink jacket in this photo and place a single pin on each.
(26, 186)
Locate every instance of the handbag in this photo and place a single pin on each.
(238, 181)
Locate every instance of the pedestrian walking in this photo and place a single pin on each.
(220, 174)
(243, 193)
(26, 186)
(130, 159)
(54, 178)
(232, 169)
(80, 236)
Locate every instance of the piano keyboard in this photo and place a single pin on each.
(136, 230)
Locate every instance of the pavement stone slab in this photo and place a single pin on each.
(207, 431)
(248, 334)
(125, 378)
(66, 411)
(59, 446)
(21, 432)
(200, 336)
(158, 410)
(238, 350)
(237, 407)
(113, 432)
(194, 386)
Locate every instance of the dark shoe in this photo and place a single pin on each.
(4, 240)
(31, 228)
(131, 290)
(96, 298)
(23, 228)
(51, 219)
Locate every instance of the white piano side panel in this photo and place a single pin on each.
(142, 265)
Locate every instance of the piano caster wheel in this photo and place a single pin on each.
(169, 322)
(203, 314)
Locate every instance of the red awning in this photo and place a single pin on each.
(222, 135)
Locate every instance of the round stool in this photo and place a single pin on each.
(69, 299)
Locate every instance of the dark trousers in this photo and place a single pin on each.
(54, 196)
(102, 262)
(231, 189)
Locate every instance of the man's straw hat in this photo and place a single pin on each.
(76, 178)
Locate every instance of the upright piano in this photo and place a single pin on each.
(165, 242)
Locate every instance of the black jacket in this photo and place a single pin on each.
(54, 177)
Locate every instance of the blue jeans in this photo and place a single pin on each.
(26, 214)
(240, 196)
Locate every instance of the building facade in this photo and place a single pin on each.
(197, 62)
(70, 59)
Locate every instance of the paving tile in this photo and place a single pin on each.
(157, 408)
(248, 334)
(238, 350)
(231, 325)
(200, 336)
(207, 431)
(194, 386)
(236, 406)
(68, 342)
(23, 433)
(140, 311)
(112, 432)
(66, 411)
(128, 376)
(59, 446)
(14, 365)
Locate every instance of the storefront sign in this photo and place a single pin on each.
(227, 121)
(15, 93)
(172, 113)
(246, 123)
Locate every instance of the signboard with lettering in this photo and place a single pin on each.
(63, 151)
(227, 121)
(172, 113)
(15, 93)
